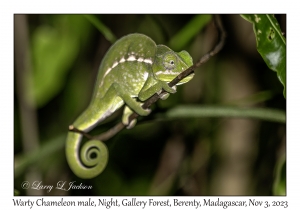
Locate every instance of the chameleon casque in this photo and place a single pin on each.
(133, 70)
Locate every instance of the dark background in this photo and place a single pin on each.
(190, 156)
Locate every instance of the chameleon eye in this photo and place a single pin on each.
(169, 61)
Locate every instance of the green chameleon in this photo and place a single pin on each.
(133, 70)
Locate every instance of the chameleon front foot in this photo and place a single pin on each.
(131, 124)
(125, 118)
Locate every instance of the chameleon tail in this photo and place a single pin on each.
(93, 156)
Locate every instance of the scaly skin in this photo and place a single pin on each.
(134, 67)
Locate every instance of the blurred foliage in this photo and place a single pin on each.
(102, 28)
(55, 46)
(16, 192)
(188, 32)
(279, 187)
(168, 152)
(197, 111)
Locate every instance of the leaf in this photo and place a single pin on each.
(270, 43)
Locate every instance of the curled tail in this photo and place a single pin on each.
(93, 156)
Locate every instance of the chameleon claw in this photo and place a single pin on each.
(131, 124)
(164, 96)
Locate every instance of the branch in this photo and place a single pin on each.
(120, 126)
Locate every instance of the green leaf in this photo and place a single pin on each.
(271, 44)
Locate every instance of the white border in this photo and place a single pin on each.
(8, 8)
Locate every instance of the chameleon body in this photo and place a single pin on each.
(133, 70)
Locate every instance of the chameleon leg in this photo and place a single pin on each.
(149, 90)
(94, 154)
(125, 118)
(88, 166)
(130, 101)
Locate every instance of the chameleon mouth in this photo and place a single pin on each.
(170, 77)
(186, 79)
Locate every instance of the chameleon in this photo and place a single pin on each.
(132, 70)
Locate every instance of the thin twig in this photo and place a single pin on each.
(120, 126)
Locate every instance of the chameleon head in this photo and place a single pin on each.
(169, 64)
